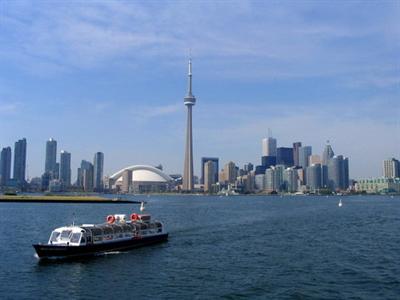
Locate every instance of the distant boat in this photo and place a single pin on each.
(340, 203)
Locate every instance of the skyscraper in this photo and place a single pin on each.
(209, 176)
(85, 165)
(228, 173)
(5, 166)
(98, 164)
(284, 156)
(327, 154)
(268, 161)
(304, 153)
(51, 158)
(269, 146)
(85, 176)
(391, 168)
(215, 161)
(314, 177)
(290, 178)
(189, 101)
(296, 147)
(336, 173)
(346, 173)
(248, 168)
(20, 161)
(65, 168)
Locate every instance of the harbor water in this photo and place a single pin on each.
(240, 247)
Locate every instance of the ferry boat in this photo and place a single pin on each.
(118, 234)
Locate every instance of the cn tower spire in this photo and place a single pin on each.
(189, 101)
(190, 78)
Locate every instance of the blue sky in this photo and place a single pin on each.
(111, 76)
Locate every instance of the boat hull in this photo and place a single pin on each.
(58, 251)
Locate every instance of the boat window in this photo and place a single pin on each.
(65, 234)
(126, 227)
(117, 229)
(97, 231)
(75, 237)
(108, 230)
(54, 236)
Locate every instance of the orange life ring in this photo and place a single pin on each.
(110, 219)
(134, 217)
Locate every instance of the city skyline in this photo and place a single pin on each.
(80, 72)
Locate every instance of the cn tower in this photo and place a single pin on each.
(189, 101)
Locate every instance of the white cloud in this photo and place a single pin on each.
(268, 40)
(9, 108)
(144, 113)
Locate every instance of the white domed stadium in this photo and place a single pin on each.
(141, 179)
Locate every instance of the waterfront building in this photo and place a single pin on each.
(209, 176)
(290, 178)
(378, 185)
(189, 102)
(324, 176)
(229, 173)
(98, 165)
(126, 186)
(145, 179)
(284, 156)
(57, 171)
(45, 181)
(279, 169)
(269, 146)
(79, 178)
(391, 168)
(274, 181)
(215, 161)
(304, 154)
(50, 165)
(259, 182)
(5, 166)
(87, 178)
(65, 169)
(35, 184)
(338, 173)
(20, 162)
(55, 186)
(301, 176)
(346, 180)
(246, 183)
(314, 177)
(296, 147)
(314, 159)
(270, 180)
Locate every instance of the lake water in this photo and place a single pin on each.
(220, 247)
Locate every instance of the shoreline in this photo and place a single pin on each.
(62, 199)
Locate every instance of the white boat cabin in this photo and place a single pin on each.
(116, 229)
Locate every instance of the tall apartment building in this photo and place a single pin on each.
(20, 161)
(98, 165)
